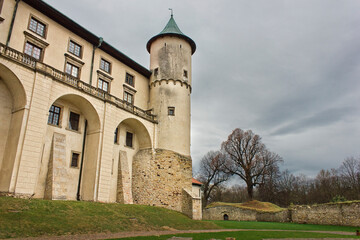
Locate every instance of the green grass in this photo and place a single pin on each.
(22, 218)
(248, 235)
(282, 226)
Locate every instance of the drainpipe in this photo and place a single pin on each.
(81, 162)
(12, 22)
(101, 40)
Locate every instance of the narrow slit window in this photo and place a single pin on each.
(75, 160)
(129, 139)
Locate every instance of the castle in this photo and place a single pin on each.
(81, 120)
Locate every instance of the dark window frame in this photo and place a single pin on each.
(34, 20)
(77, 155)
(103, 64)
(71, 71)
(54, 117)
(129, 139)
(102, 81)
(116, 136)
(73, 45)
(34, 46)
(171, 111)
(126, 97)
(74, 121)
(130, 79)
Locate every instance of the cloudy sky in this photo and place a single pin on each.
(288, 70)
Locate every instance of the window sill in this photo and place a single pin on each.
(53, 125)
(71, 130)
(129, 147)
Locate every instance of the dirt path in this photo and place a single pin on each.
(158, 233)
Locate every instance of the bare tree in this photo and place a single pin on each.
(248, 158)
(350, 173)
(212, 173)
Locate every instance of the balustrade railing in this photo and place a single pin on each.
(31, 62)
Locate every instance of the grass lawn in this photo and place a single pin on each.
(250, 235)
(282, 226)
(23, 217)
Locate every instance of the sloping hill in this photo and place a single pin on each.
(24, 217)
(252, 205)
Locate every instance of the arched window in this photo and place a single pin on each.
(226, 217)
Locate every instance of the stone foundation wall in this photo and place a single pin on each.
(238, 214)
(343, 214)
(159, 177)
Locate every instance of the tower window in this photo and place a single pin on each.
(75, 160)
(74, 121)
(185, 73)
(54, 115)
(156, 71)
(129, 139)
(171, 111)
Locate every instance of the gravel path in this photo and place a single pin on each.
(158, 233)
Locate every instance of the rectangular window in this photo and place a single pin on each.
(74, 48)
(72, 70)
(116, 135)
(129, 79)
(74, 121)
(171, 111)
(185, 74)
(129, 98)
(75, 160)
(103, 85)
(32, 50)
(129, 139)
(37, 27)
(156, 71)
(54, 115)
(105, 65)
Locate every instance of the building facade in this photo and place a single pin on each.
(81, 120)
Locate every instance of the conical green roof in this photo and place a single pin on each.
(172, 29)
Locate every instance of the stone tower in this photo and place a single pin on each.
(163, 175)
(170, 86)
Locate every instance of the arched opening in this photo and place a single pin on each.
(71, 146)
(12, 112)
(130, 136)
(226, 217)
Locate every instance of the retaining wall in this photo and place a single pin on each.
(343, 214)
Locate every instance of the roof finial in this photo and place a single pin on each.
(171, 12)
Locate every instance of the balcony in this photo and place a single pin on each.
(62, 77)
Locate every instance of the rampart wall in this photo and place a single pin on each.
(344, 214)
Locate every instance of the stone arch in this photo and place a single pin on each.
(226, 217)
(140, 130)
(63, 142)
(124, 152)
(12, 112)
